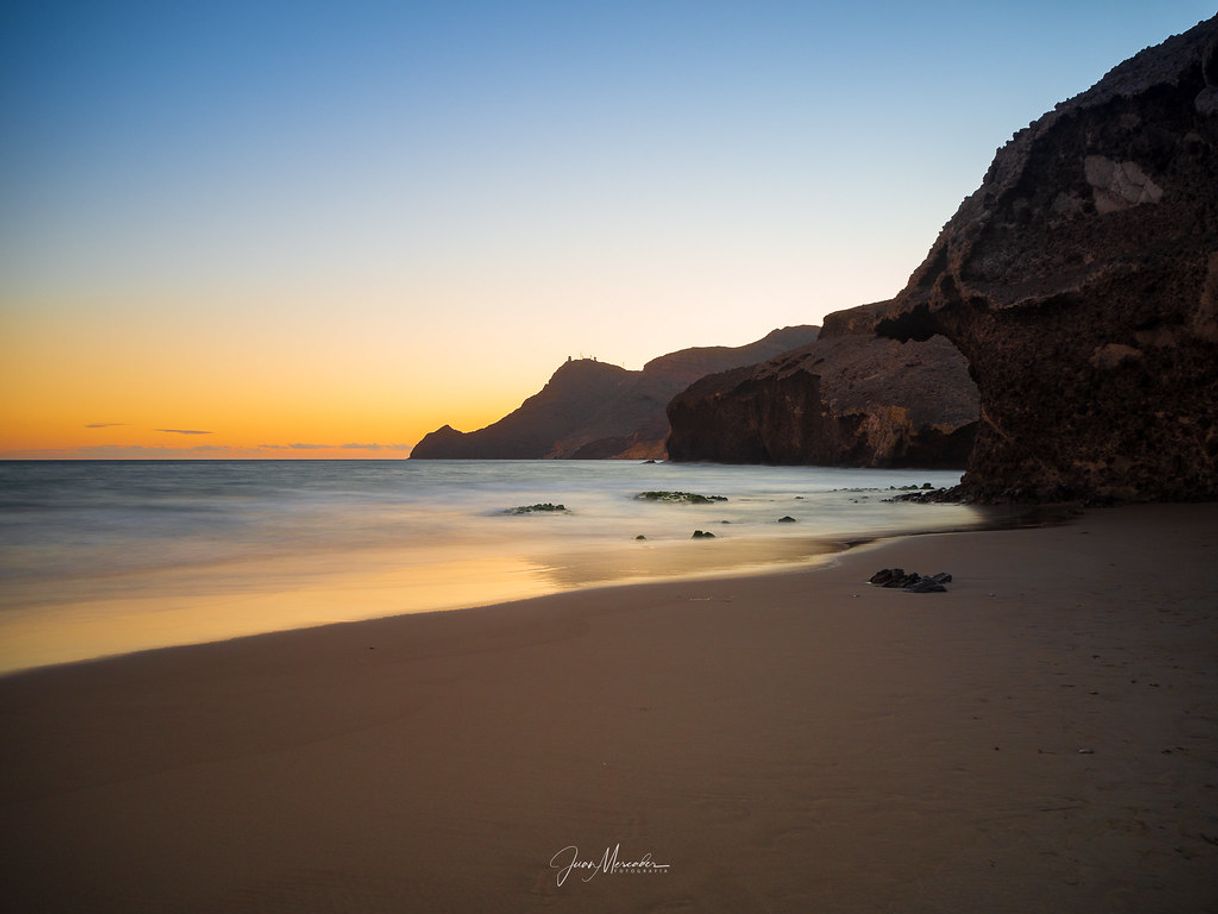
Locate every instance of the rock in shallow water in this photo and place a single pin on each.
(684, 498)
(545, 508)
(702, 535)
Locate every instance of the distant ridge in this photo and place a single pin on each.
(591, 409)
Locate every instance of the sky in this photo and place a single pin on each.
(242, 229)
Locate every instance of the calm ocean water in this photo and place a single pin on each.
(99, 558)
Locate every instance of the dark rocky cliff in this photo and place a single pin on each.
(848, 399)
(1081, 282)
(592, 409)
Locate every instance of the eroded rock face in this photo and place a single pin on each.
(848, 399)
(1081, 282)
(1118, 185)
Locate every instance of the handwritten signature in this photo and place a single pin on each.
(568, 859)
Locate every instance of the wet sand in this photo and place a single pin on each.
(785, 742)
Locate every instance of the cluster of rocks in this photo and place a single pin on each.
(955, 495)
(681, 498)
(913, 582)
(537, 509)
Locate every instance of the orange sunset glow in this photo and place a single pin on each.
(348, 242)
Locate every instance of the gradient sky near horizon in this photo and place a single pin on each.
(305, 229)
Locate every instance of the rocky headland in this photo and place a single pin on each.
(1080, 283)
(592, 409)
(846, 399)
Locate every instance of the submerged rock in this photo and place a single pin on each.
(545, 508)
(685, 498)
(955, 495)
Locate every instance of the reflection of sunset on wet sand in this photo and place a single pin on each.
(112, 558)
(160, 609)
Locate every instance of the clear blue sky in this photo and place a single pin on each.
(355, 197)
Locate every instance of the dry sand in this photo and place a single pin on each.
(792, 742)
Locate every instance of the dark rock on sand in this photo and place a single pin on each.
(911, 581)
(892, 577)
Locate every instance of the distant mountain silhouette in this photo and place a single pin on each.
(591, 409)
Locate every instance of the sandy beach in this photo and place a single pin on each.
(1043, 737)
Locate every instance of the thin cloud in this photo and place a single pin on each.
(183, 431)
(374, 446)
(348, 446)
(105, 424)
(129, 452)
(296, 446)
(194, 451)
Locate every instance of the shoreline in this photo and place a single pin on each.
(120, 561)
(787, 741)
(826, 552)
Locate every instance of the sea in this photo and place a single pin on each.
(108, 557)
